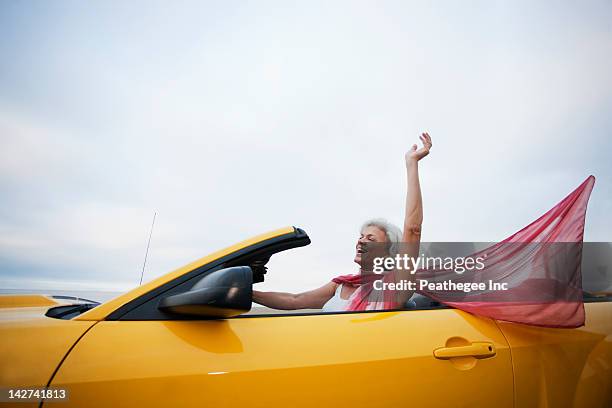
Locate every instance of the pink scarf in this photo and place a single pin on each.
(512, 260)
(365, 298)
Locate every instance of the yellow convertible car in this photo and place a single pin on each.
(190, 339)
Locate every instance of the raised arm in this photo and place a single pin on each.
(413, 217)
(313, 299)
(414, 203)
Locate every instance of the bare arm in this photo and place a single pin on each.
(313, 299)
(414, 203)
(413, 217)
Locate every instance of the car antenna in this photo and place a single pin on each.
(144, 264)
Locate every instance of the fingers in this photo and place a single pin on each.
(424, 151)
(426, 139)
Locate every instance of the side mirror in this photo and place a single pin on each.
(224, 293)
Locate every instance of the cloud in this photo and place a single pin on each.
(229, 120)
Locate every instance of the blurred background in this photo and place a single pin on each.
(230, 119)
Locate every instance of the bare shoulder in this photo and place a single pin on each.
(329, 288)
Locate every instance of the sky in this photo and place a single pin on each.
(230, 119)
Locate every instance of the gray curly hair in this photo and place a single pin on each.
(393, 233)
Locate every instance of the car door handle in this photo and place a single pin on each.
(478, 349)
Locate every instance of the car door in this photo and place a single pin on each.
(380, 359)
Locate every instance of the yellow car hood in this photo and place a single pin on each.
(32, 345)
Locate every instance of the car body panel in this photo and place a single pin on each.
(26, 300)
(367, 359)
(564, 367)
(33, 345)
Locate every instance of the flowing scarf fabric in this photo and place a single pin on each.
(538, 294)
(365, 297)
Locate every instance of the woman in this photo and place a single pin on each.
(350, 292)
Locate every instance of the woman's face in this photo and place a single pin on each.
(369, 235)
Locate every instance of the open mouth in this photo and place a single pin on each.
(361, 250)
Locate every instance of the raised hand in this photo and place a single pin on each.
(415, 154)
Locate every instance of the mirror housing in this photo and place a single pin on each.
(220, 294)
